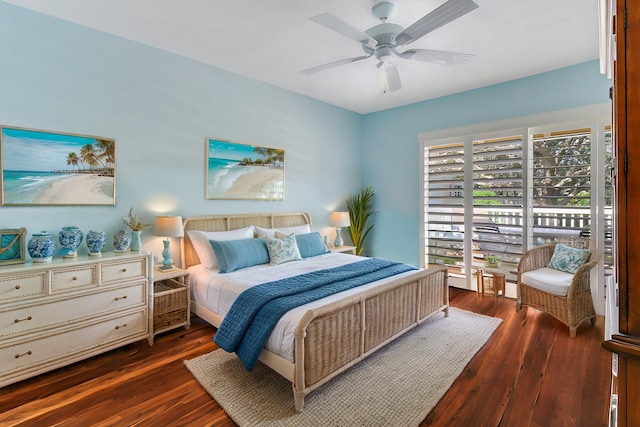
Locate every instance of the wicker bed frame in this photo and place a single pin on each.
(334, 337)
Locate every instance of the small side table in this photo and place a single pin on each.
(343, 249)
(493, 280)
(171, 301)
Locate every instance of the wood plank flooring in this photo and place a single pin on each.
(529, 374)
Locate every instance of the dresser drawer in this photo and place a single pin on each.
(21, 286)
(42, 316)
(73, 278)
(124, 270)
(50, 351)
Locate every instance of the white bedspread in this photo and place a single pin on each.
(217, 292)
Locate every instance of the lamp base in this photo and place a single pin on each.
(339, 242)
(167, 262)
(167, 267)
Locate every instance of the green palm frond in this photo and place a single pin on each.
(360, 208)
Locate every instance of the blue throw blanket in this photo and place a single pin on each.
(256, 311)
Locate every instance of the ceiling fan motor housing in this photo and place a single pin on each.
(384, 33)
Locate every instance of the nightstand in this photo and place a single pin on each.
(343, 249)
(171, 301)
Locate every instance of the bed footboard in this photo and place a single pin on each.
(332, 338)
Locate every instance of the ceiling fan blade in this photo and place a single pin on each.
(437, 56)
(390, 76)
(339, 26)
(442, 15)
(334, 64)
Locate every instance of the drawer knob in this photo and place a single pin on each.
(124, 270)
(28, 353)
(122, 326)
(74, 278)
(22, 320)
(119, 298)
(17, 286)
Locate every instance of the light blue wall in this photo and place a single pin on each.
(391, 153)
(159, 108)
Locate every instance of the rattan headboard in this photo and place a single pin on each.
(232, 222)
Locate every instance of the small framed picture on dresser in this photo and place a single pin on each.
(12, 246)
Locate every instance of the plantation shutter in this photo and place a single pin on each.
(562, 187)
(444, 200)
(608, 198)
(498, 210)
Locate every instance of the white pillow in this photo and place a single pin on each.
(271, 232)
(200, 241)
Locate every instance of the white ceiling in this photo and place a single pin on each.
(272, 40)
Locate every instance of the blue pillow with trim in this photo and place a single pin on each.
(568, 259)
(236, 254)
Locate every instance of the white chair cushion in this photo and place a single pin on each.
(548, 280)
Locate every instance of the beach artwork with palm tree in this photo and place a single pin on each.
(242, 171)
(53, 168)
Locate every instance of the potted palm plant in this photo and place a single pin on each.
(360, 208)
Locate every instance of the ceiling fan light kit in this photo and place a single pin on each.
(383, 39)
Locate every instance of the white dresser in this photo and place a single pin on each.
(58, 313)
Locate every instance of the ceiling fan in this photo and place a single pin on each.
(382, 40)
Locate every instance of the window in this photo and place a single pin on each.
(500, 192)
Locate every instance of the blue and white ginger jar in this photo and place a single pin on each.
(41, 247)
(70, 238)
(95, 242)
(121, 241)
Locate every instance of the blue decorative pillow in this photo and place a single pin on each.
(310, 245)
(236, 254)
(568, 259)
(282, 250)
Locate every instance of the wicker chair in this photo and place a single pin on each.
(572, 309)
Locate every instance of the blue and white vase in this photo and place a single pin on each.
(70, 238)
(120, 241)
(95, 242)
(41, 247)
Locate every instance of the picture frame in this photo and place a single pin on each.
(49, 168)
(12, 246)
(243, 172)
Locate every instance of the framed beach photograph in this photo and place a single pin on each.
(242, 171)
(54, 168)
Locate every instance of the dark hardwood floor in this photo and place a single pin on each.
(529, 374)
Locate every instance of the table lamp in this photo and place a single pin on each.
(339, 220)
(168, 226)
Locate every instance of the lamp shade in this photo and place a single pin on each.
(169, 226)
(339, 219)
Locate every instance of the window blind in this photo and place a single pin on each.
(444, 200)
(498, 199)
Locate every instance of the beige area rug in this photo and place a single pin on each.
(396, 386)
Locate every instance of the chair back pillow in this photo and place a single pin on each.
(568, 259)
